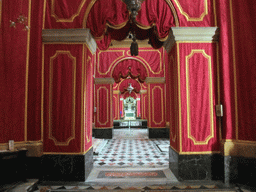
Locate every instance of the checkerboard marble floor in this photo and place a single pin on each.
(132, 148)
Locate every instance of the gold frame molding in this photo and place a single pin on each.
(73, 59)
(173, 134)
(200, 18)
(69, 20)
(208, 57)
(162, 105)
(108, 70)
(98, 90)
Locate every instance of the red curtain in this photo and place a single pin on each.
(131, 68)
(153, 22)
(132, 94)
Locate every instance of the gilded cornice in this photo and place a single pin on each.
(104, 81)
(155, 80)
(191, 34)
(69, 35)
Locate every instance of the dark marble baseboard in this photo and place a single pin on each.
(240, 170)
(196, 167)
(12, 167)
(66, 167)
(158, 133)
(104, 133)
(33, 167)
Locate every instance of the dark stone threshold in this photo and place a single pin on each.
(196, 167)
(158, 133)
(116, 124)
(66, 167)
(104, 133)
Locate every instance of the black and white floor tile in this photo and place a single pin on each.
(133, 152)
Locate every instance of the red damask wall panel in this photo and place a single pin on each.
(242, 18)
(173, 100)
(197, 13)
(198, 84)
(14, 67)
(63, 75)
(156, 102)
(104, 118)
(61, 14)
(88, 99)
(115, 107)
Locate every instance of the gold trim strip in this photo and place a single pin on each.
(59, 52)
(172, 135)
(196, 41)
(103, 128)
(71, 19)
(179, 91)
(199, 152)
(61, 153)
(42, 95)
(89, 7)
(149, 107)
(44, 14)
(200, 18)
(176, 18)
(82, 100)
(215, 13)
(26, 76)
(190, 136)
(218, 88)
(1, 12)
(234, 66)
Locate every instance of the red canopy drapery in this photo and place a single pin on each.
(129, 67)
(124, 84)
(132, 94)
(153, 22)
